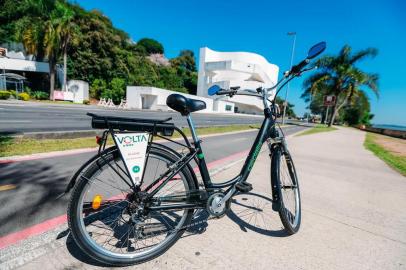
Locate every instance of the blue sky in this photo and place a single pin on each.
(261, 26)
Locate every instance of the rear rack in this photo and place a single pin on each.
(153, 126)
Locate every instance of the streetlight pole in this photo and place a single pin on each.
(291, 64)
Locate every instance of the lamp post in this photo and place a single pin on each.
(291, 64)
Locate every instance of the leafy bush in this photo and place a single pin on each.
(40, 95)
(4, 94)
(27, 90)
(24, 96)
(86, 102)
(116, 90)
(13, 93)
(97, 87)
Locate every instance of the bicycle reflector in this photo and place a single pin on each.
(96, 203)
(99, 140)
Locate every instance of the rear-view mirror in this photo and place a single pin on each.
(316, 50)
(213, 90)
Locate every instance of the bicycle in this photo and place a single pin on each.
(131, 202)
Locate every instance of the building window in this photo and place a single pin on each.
(228, 107)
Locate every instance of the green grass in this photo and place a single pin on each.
(56, 102)
(395, 161)
(317, 129)
(14, 146)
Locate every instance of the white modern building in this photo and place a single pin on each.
(14, 64)
(229, 69)
(16, 68)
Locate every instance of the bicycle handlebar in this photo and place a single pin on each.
(297, 68)
(226, 92)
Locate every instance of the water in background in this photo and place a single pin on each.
(395, 127)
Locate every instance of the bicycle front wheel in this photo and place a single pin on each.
(285, 182)
(102, 212)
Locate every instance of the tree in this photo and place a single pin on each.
(185, 65)
(151, 45)
(49, 29)
(48, 33)
(27, 22)
(339, 76)
(289, 108)
(358, 110)
(66, 29)
(185, 60)
(52, 46)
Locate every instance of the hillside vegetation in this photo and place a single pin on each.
(94, 50)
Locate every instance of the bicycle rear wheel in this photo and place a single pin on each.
(101, 211)
(284, 178)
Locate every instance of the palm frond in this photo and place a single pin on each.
(369, 52)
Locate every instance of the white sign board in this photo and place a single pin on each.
(133, 147)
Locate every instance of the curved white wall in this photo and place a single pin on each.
(227, 69)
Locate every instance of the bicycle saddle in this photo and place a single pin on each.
(184, 105)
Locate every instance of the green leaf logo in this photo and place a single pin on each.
(136, 169)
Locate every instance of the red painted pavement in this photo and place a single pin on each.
(52, 223)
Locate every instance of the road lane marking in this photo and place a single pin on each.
(15, 121)
(238, 139)
(7, 187)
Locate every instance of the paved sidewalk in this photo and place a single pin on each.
(353, 218)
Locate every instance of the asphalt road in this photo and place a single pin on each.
(352, 218)
(39, 182)
(39, 117)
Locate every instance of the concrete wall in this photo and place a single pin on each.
(389, 132)
(155, 98)
(221, 106)
(23, 65)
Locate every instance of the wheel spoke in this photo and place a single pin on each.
(108, 210)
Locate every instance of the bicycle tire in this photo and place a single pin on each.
(75, 222)
(290, 223)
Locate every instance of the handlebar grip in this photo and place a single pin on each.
(226, 92)
(298, 67)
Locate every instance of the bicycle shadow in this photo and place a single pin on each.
(245, 218)
(254, 213)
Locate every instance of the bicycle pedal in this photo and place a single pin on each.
(243, 187)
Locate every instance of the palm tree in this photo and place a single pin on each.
(40, 37)
(339, 76)
(66, 30)
(52, 46)
(31, 30)
(52, 36)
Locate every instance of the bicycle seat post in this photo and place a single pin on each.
(192, 129)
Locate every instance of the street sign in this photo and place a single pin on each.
(329, 100)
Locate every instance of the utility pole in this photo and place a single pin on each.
(291, 64)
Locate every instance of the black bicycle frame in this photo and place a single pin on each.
(197, 154)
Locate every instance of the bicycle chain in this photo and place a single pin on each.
(184, 227)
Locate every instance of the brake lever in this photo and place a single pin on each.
(306, 70)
